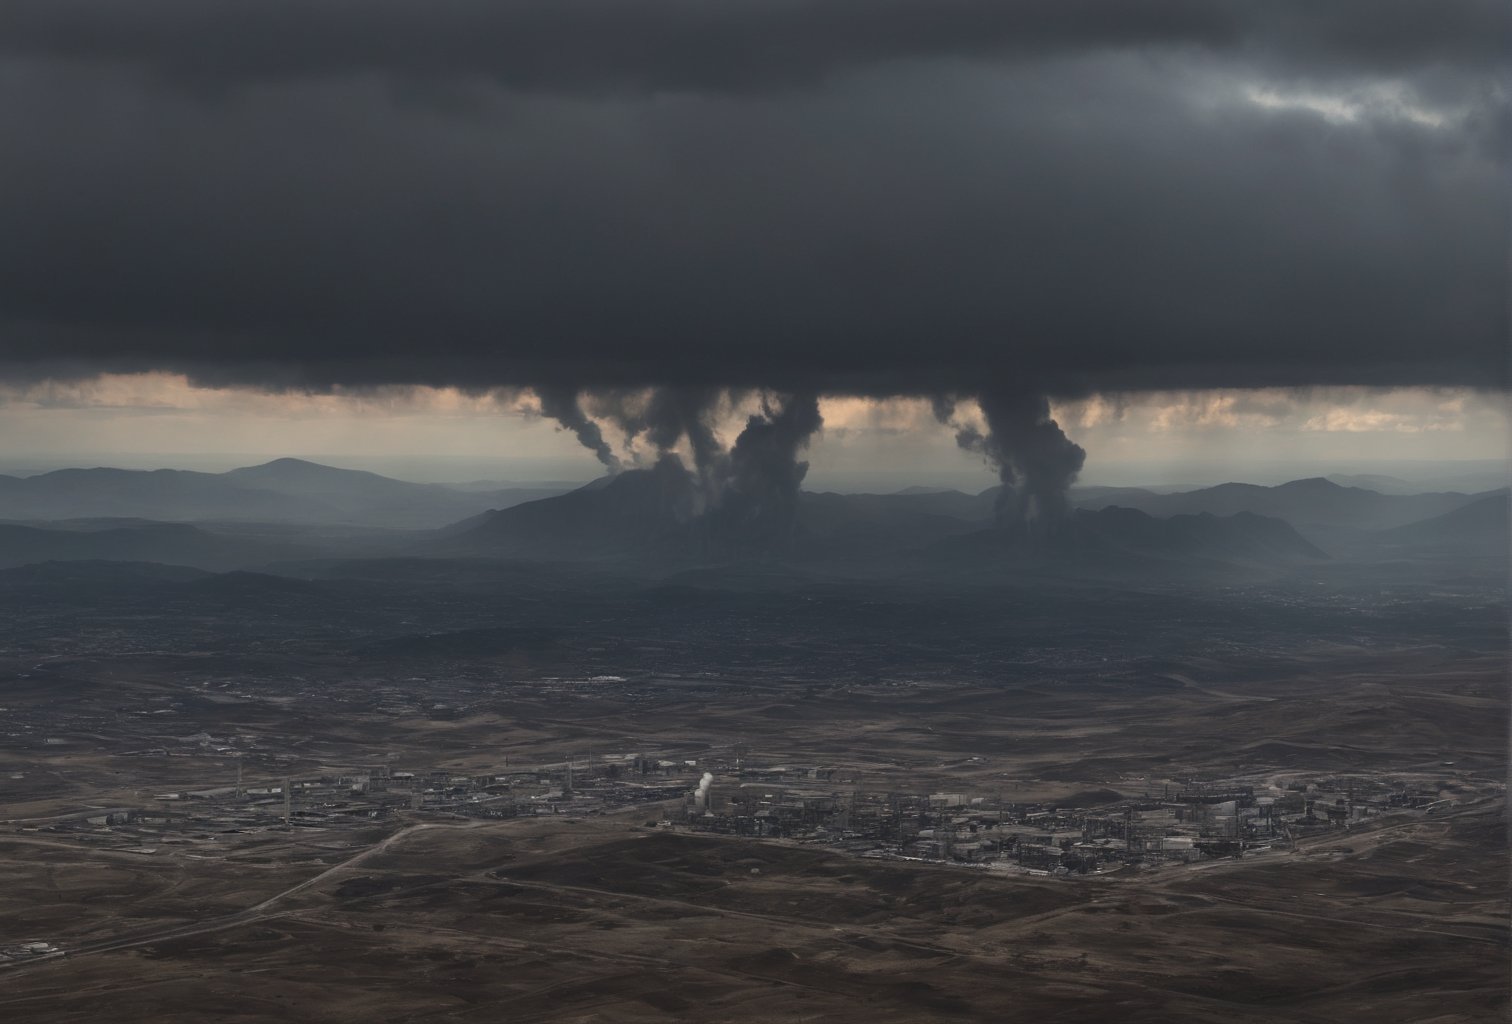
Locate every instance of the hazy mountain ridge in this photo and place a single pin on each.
(159, 494)
(163, 543)
(1123, 542)
(1311, 502)
(649, 515)
(641, 517)
(1484, 523)
(638, 511)
(654, 513)
(284, 490)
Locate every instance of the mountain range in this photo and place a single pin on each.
(251, 519)
(647, 515)
(1123, 540)
(137, 541)
(1303, 503)
(284, 490)
(1481, 525)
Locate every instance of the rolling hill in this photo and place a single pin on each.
(1122, 542)
(1484, 525)
(1303, 503)
(284, 490)
(178, 544)
(648, 515)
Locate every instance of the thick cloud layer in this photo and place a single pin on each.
(806, 196)
(1112, 218)
(699, 45)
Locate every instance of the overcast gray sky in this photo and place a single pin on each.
(966, 201)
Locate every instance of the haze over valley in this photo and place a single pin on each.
(649, 511)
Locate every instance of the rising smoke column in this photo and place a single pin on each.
(701, 797)
(747, 494)
(1034, 459)
(673, 413)
(760, 496)
(750, 492)
(562, 405)
(664, 416)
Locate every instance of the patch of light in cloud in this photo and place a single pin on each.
(1362, 421)
(1386, 101)
(866, 443)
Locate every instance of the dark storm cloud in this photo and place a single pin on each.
(719, 44)
(889, 197)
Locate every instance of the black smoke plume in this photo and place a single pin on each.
(747, 495)
(675, 413)
(1034, 459)
(759, 501)
(562, 405)
(665, 417)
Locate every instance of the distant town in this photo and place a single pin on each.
(1166, 823)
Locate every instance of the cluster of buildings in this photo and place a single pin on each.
(348, 798)
(1182, 823)
(1168, 822)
